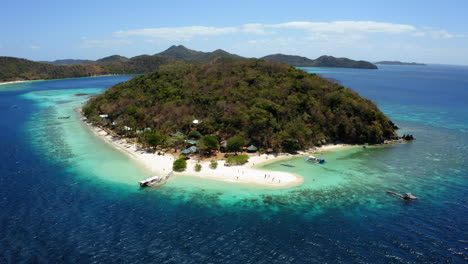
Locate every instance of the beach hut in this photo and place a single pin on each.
(193, 149)
(191, 141)
(252, 148)
(223, 144)
(186, 152)
(189, 151)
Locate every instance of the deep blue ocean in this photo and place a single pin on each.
(65, 197)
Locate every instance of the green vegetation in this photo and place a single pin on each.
(113, 58)
(322, 61)
(235, 144)
(400, 63)
(13, 69)
(182, 53)
(194, 135)
(198, 167)
(272, 105)
(151, 139)
(213, 165)
(208, 143)
(237, 159)
(179, 164)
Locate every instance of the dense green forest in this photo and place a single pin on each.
(322, 61)
(269, 104)
(192, 56)
(14, 69)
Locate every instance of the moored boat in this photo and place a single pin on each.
(151, 181)
(154, 180)
(315, 159)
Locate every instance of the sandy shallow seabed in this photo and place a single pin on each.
(247, 173)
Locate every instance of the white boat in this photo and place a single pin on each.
(154, 180)
(315, 159)
(151, 181)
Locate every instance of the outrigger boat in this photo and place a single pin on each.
(315, 159)
(406, 196)
(155, 180)
(64, 117)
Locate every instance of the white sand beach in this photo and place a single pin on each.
(246, 174)
(1, 83)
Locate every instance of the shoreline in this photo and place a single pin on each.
(104, 75)
(11, 82)
(243, 174)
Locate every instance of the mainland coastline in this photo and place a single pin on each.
(248, 173)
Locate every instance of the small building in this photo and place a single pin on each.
(189, 151)
(191, 141)
(223, 144)
(252, 148)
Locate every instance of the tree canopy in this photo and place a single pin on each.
(235, 144)
(271, 105)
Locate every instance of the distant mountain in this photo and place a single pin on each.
(330, 61)
(12, 69)
(68, 62)
(182, 53)
(400, 63)
(113, 58)
(323, 61)
(16, 69)
(293, 60)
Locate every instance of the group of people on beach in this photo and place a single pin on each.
(269, 176)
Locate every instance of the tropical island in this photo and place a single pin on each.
(400, 63)
(17, 69)
(214, 110)
(322, 61)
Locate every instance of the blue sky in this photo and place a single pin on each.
(412, 30)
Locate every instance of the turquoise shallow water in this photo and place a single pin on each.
(69, 197)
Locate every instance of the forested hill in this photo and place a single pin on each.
(322, 61)
(272, 105)
(182, 53)
(14, 69)
(400, 63)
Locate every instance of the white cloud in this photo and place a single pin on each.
(443, 34)
(258, 29)
(178, 33)
(104, 43)
(321, 36)
(343, 27)
(34, 47)
(337, 27)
